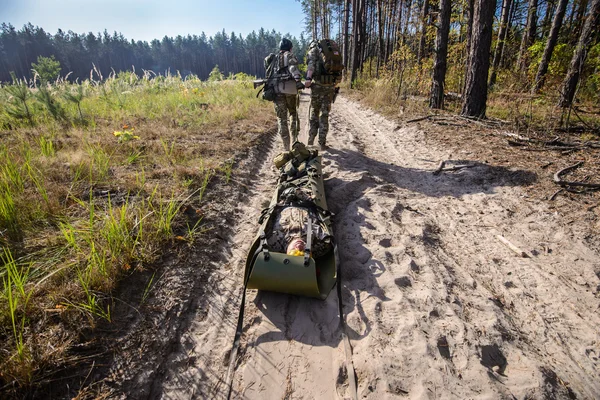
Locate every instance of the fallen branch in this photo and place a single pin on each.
(511, 246)
(439, 168)
(458, 167)
(559, 191)
(554, 144)
(419, 119)
(569, 185)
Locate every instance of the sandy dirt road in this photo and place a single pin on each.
(438, 306)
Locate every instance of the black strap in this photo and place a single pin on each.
(308, 241)
(262, 248)
(240, 324)
(236, 343)
(345, 339)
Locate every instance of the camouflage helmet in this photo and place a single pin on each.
(285, 44)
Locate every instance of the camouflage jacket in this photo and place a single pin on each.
(314, 62)
(288, 64)
(285, 72)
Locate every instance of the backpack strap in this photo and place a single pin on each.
(308, 240)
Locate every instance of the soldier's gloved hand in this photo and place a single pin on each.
(299, 85)
(307, 83)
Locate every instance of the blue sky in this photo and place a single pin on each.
(153, 19)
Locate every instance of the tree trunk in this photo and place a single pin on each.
(569, 85)
(506, 4)
(475, 96)
(408, 15)
(380, 27)
(550, 44)
(468, 39)
(546, 24)
(579, 18)
(509, 32)
(424, 13)
(528, 35)
(363, 38)
(356, 23)
(391, 18)
(436, 99)
(315, 20)
(346, 27)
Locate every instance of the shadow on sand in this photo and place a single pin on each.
(316, 322)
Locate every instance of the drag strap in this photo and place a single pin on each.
(236, 343)
(345, 339)
(262, 248)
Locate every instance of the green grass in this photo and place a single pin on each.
(81, 207)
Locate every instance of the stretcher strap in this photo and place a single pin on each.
(263, 245)
(308, 241)
(345, 339)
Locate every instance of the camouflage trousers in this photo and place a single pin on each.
(286, 108)
(321, 98)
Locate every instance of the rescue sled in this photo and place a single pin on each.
(309, 271)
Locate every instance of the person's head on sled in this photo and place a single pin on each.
(296, 247)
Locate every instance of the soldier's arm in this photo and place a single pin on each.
(311, 58)
(293, 66)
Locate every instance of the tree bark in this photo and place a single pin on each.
(506, 4)
(408, 15)
(315, 20)
(579, 18)
(423, 37)
(356, 48)
(528, 35)
(569, 85)
(546, 24)
(475, 96)
(550, 44)
(346, 27)
(436, 99)
(380, 27)
(468, 39)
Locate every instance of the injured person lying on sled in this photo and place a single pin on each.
(289, 232)
(295, 250)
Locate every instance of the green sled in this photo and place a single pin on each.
(283, 273)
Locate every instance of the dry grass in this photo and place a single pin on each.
(518, 111)
(82, 205)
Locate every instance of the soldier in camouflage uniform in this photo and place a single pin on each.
(321, 97)
(288, 81)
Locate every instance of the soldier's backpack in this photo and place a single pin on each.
(270, 66)
(331, 66)
(276, 72)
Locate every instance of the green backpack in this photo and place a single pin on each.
(331, 62)
(269, 89)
